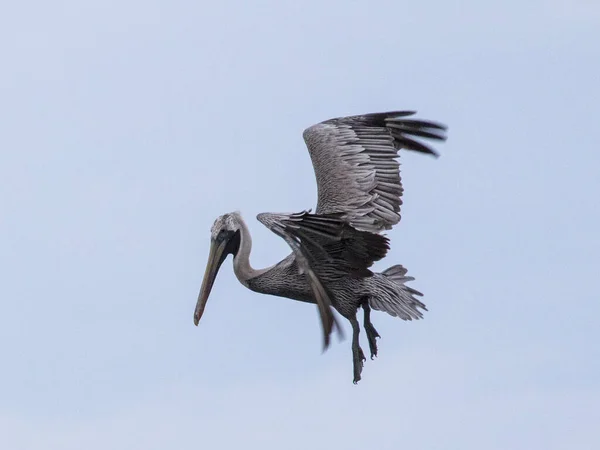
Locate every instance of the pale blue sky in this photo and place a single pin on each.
(126, 127)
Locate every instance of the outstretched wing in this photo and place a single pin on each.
(326, 248)
(354, 159)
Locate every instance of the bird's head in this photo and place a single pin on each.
(224, 240)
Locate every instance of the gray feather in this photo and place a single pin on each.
(354, 159)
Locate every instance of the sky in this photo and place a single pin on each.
(127, 127)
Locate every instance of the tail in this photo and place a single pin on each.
(395, 298)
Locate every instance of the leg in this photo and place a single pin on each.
(357, 354)
(372, 333)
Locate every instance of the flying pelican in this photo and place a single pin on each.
(359, 196)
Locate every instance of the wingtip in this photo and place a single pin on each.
(326, 342)
(402, 113)
(327, 333)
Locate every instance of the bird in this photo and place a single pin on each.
(359, 195)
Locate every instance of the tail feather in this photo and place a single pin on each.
(397, 299)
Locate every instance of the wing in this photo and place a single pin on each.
(354, 159)
(326, 248)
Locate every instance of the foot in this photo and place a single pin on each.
(358, 358)
(372, 336)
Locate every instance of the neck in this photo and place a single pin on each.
(241, 261)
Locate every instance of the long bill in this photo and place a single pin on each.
(216, 256)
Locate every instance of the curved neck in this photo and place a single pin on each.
(241, 260)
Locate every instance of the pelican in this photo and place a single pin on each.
(359, 196)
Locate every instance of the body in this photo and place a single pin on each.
(347, 294)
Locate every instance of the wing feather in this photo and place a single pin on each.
(354, 158)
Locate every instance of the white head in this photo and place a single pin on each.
(226, 222)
